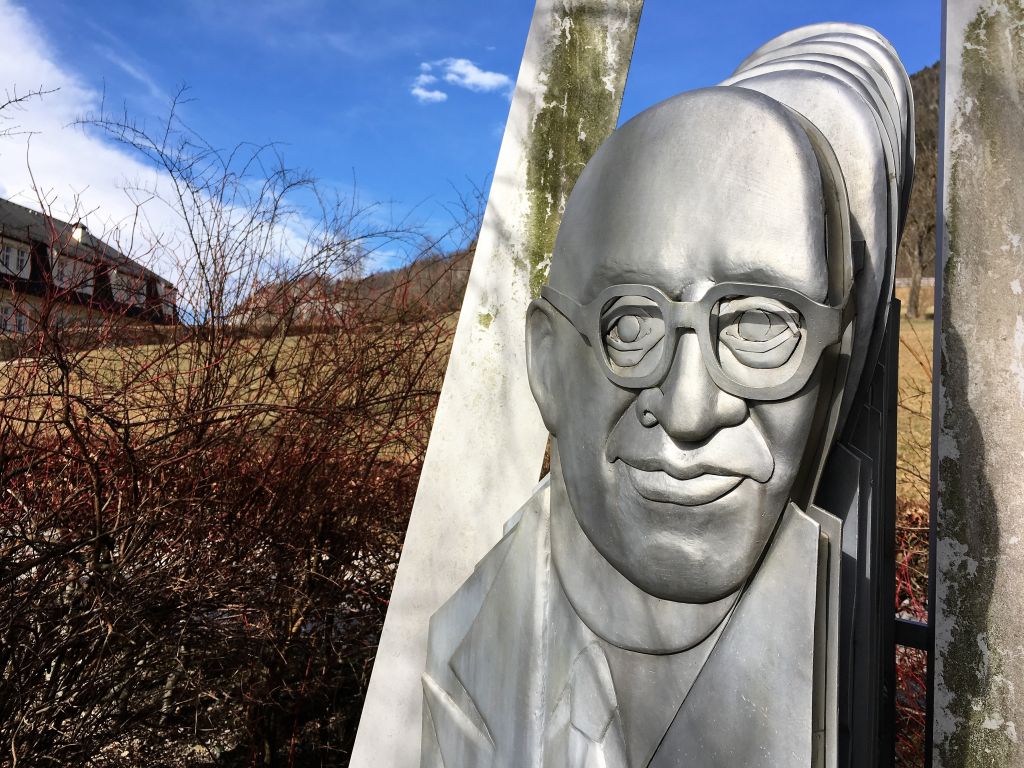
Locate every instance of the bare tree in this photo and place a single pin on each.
(13, 101)
(917, 250)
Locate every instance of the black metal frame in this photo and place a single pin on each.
(894, 631)
(861, 489)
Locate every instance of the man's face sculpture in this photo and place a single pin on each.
(675, 354)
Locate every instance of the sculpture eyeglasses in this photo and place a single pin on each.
(758, 342)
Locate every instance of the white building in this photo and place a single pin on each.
(48, 265)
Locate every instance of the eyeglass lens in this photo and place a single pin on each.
(753, 338)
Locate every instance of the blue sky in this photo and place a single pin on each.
(332, 81)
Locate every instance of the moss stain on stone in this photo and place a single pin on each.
(585, 77)
(986, 150)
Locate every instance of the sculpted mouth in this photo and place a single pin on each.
(657, 485)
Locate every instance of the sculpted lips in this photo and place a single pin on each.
(661, 469)
(657, 485)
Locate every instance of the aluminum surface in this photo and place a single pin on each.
(663, 598)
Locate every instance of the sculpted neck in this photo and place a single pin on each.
(611, 606)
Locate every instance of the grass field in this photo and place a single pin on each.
(142, 370)
(914, 416)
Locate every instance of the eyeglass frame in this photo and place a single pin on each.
(822, 324)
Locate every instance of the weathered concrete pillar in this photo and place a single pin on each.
(979, 398)
(488, 441)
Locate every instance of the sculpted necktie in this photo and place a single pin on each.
(584, 731)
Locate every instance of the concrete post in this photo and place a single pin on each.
(488, 441)
(979, 392)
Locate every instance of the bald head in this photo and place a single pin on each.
(715, 185)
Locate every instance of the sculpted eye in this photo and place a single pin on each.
(758, 332)
(630, 328)
(759, 325)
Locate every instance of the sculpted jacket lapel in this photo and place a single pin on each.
(551, 703)
(486, 707)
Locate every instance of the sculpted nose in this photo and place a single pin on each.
(688, 404)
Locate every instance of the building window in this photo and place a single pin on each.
(83, 278)
(6, 311)
(13, 258)
(63, 272)
(71, 274)
(20, 322)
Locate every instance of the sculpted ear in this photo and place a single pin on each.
(541, 362)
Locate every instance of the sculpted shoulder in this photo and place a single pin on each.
(481, 646)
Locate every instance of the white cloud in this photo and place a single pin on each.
(465, 74)
(50, 162)
(76, 173)
(461, 73)
(423, 93)
(136, 73)
(428, 95)
(384, 259)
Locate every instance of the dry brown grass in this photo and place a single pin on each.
(914, 417)
(913, 460)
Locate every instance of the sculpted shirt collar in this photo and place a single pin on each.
(609, 604)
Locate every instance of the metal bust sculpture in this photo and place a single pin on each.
(670, 593)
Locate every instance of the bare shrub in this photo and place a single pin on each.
(913, 461)
(200, 519)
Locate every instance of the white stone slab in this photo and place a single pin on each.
(488, 441)
(978, 486)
